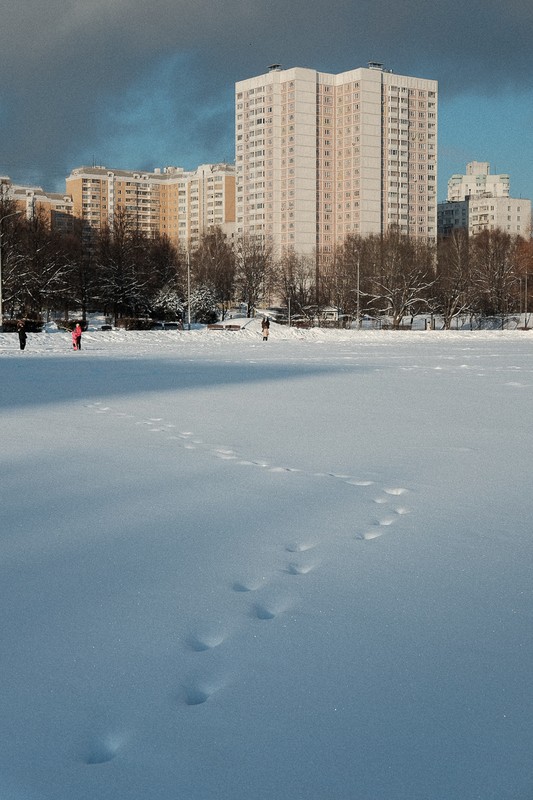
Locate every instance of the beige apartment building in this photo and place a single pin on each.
(319, 156)
(55, 209)
(172, 201)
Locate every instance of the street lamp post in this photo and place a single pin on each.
(525, 302)
(188, 290)
(6, 216)
(358, 290)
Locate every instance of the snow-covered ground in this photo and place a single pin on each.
(293, 570)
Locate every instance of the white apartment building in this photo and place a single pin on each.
(480, 201)
(478, 182)
(509, 214)
(319, 156)
(171, 201)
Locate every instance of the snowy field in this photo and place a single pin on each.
(293, 570)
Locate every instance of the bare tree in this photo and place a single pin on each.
(524, 265)
(494, 274)
(349, 279)
(452, 290)
(254, 271)
(403, 274)
(295, 281)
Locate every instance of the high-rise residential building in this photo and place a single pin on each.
(55, 209)
(171, 201)
(480, 201)
(478, 182)
(320, 156)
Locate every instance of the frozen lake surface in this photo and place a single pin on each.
(294, 570)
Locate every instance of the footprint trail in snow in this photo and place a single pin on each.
(268, 598)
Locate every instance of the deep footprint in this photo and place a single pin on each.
(205, 640)
(299, 569)
(196, 693)
(104, 749)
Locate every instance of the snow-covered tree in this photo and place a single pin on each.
(167, 304)
(204, 307)
(213, 264)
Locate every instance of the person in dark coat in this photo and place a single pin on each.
(265, 327)
(21, 330)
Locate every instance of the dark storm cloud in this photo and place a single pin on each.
(81, 76)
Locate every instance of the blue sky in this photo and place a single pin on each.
(131, 85)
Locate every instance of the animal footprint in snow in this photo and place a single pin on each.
(248, 584)
(102, 749)
(198, 690)
(270, 607)
(396, 491)
(300, 547)
(205, 639)
(225, 455)
(294, 568)
(374, 533)
(265, 611)
(385, 521)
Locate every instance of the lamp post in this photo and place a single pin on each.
(525, 302)
(188, 290)
(6, 216)
(358, 289)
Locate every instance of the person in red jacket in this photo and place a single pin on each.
(76, 337)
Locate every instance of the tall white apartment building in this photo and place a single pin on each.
(478, 182)
(319, 156)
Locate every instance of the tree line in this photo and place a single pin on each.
(124, 273)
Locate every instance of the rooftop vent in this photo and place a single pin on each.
(375, 65)
(274, 68)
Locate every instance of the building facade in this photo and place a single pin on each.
(480, 201)
(171, 201)
(478, 182)
(320, 156)
(56, 210)
(475, 214)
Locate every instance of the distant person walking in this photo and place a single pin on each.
(21, 330)
(265, 327)
(76, 337)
